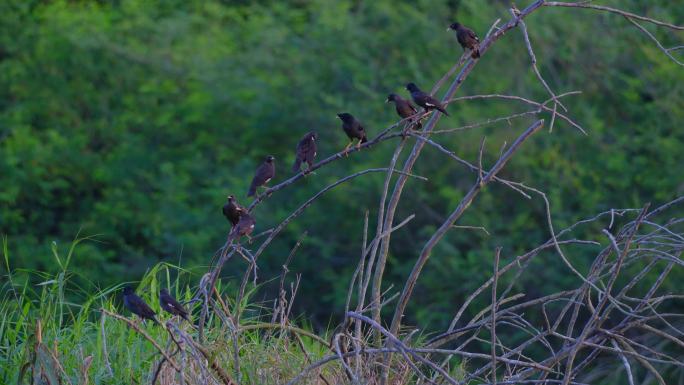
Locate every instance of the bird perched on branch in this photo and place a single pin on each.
(244, 227)
(263, 175)
(467, 39)
(306, 151)
(404, 108)
(425, 100)
(137, 306)
(353, 129)
(232, 210)
(170, 305)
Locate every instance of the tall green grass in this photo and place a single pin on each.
(52, 331)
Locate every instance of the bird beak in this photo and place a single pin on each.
(387, 100)
(449, 29)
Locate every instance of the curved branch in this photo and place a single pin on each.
(613, 10)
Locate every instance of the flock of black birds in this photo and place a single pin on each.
(243, 223)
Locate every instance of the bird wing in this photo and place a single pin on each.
(412, 107)
(143, 308)
(472, 35)
(301, 148)
(263, 174)
(246, 224)
(432, 102)
(310, 152)
(172, 303)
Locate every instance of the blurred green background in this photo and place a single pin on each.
(131, 121)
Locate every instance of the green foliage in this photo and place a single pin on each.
(131, 121)
(44, 336)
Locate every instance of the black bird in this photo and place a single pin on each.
(137, 306)
(172, 306)
(467, 39)
(404, 108)
(244, 227)
(232, 210)
(306, 151)
(353, 129)
(424, 100)
(263, 175)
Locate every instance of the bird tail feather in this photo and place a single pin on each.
(297, 165)
(442, 110)
(252, 190)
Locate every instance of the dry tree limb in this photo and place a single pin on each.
(379, 229)
(497, 254)
(403, 348)
(541, 106)
(453, 217)
(206, 354)
(613, 10)
(650, 35)
(306, 204)
(145, 335)
(533, 58)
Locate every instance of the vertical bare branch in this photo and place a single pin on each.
(453, 217)
(497, 254)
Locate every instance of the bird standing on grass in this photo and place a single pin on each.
(263, 175)
(404, 108)
(353, 129)
(170, 305)
(467, 39)
(232, 210)
(306, 151)
(425, 100)
(137, 306)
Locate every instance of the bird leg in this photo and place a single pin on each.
(346, 149)
(308, 170)
(358, 145)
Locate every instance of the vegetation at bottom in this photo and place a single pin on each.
(52, 340)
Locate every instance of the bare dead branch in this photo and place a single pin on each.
(629, 15)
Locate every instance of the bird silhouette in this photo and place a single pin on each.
(404, 108)
(170, 305)
(306, 151)
(263, 174)
(137, 306)
(353, 129)
(232, 210)
(425, 100)
(467, 39)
